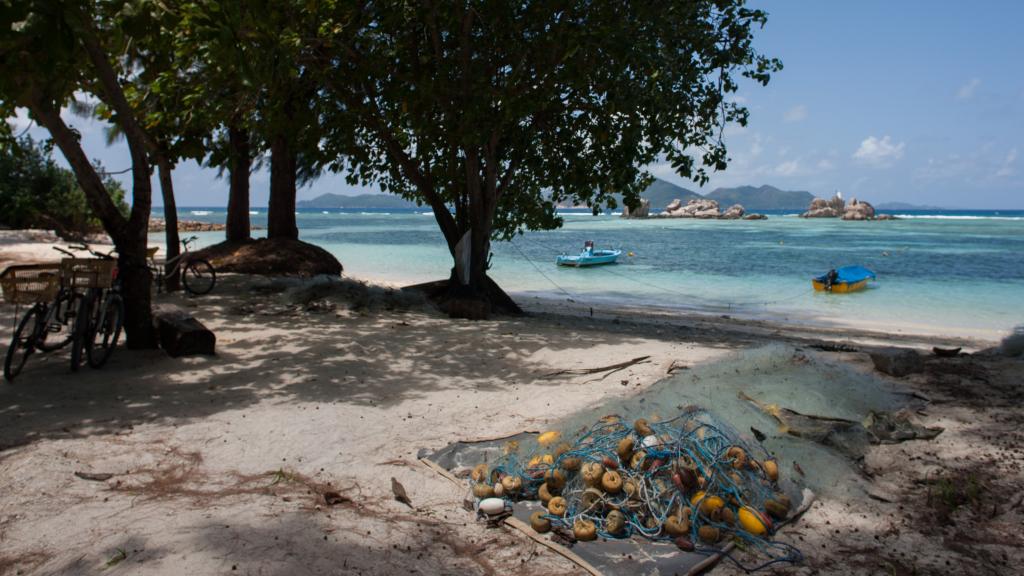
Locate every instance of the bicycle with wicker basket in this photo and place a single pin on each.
(61, 298)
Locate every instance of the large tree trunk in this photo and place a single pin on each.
(129, 238)
(129, 234)
(170, 217)
(281, 209)
(238, 227)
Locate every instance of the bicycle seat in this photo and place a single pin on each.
(151, 251)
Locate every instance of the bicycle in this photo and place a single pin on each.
(58, 305)
(197, 274)
(107, 319)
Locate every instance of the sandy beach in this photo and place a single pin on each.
(219, 465)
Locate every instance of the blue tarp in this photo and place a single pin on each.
(850, 274)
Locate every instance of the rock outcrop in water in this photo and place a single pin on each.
(642, 211)
(734, 212)
(821, 208)
(858, 210)
(696, 208)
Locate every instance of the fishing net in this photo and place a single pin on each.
(690, 481)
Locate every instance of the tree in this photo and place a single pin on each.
(248, 54)
(48, 51)
(37, 193)
(493, 113)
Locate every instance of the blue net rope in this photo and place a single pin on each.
(690, 479)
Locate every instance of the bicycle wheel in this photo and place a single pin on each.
(80, 330)
(106, 329)
(198, 277)
(23, 343)
(56, 333)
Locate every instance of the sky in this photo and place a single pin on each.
(909, 101)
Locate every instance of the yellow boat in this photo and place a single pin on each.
(843, 280)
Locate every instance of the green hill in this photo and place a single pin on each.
(660, 193)
(761, 198)
(327, 201)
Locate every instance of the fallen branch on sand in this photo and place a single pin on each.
(611, 369)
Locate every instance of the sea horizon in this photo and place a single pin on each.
(954, 272)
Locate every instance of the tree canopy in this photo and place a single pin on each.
(499, 111)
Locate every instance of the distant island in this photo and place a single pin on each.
(660, 193)
(359, 201)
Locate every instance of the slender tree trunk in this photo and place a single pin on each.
(281, 210)
(238, 226)
(170, 217)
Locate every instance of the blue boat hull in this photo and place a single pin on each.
(595, 258)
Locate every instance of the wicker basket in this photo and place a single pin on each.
(30, 283)
(87, 272)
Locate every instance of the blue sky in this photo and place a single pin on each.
(911, 101)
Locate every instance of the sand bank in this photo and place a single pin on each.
(218, 464)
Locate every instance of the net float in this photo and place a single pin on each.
(684, 544)
(609, 463)
(728, 516)
(498, 490)
(709, 534)
(771, 470)
(539, 523)
(592, 472)
(557, 506)
(549, 437)
(738, 457)
(584, 530)
(492, 506)
(676, 525)
(591, 499)
(512, 484)
(625, 449)
(753, 521)
(707, 504)
(611, 482)
(642, 428)
(555, 479)
(544, 493)
(615, 522)
(637, 460)
(479, 473)
(481, 490)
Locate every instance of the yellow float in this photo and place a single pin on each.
(549, 437)
(753, 521)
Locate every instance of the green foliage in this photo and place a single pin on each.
(506, 109)
(37, 193)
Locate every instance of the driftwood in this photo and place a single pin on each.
(611, 369)
(95, 476)
(181, 334)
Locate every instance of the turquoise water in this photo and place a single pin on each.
(960, 274)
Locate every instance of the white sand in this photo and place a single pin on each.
(217, 462)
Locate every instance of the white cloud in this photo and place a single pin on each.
(787, 168)
(825, 164)
(879, 152)
(966, 92)
(1007, 168)
(796, 113)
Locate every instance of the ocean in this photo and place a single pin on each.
(957, 273)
